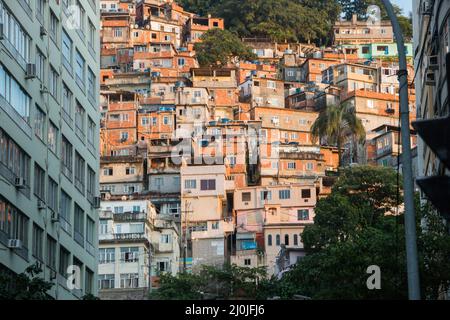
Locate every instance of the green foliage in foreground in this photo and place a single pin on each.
(24, 286)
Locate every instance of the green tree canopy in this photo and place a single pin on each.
(229, 281)
(280, 20)
(219, 47)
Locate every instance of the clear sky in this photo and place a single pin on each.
(406, 5)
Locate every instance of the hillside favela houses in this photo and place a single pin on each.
(214, 165)
(157, 164)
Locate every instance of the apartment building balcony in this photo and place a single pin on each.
(130, 217)
(125, 237)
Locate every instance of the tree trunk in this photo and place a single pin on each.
(339, 152)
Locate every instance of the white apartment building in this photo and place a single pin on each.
(132, 237)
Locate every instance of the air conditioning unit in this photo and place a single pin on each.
(96, 204)
(14, 243)
(42, 31)
(43, 89)
(31, 71)
(55, 217)
(433, 63)
(19, 183)
(41, 205)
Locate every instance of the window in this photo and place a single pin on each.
(162, 266)
(91, 133)
(17, 38)
(39, 182)
(136, 209)
(66, 50)
(13, 223)
(284, 194)
(215, 225)
(80, 121)
(365, 50)
(91, 35)
(52, 137)
(370, 104)
(108, 171)
(207, 184)
(80, 174)
(39, 123)
(129, 280)
(166, 238)
(13, 93)
(106, 281)
(309, 166)
(303, 215)
(286, 239)
(64, 257)
(129, 254)
(277, 240)
(291, 165)
(269, 240)
(90, 231)
(246, 196)
(190, 184)
(91, 182)
(306, 193)
(78, 225)
(38, 236)
(124, 136)
(51, 253)
(136, 228)
(166, 120)
(130, 170)
(79, 70)
(266, 195)
(248, 262)
(81, 17)
(103, 227)
(89, 281)
(181, 62)
(271, 84)
(66, 158)
(53, 83)
(106, 255)
(52, 195)
(53, 26)
(117, 32)
(40, 65)
(14, 159)
(65, 208)
(67, 104)
(91, 85)
(295, 240)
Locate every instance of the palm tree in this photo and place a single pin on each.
(335, 123)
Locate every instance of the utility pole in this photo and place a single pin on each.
(408, 183)
(150, 268)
